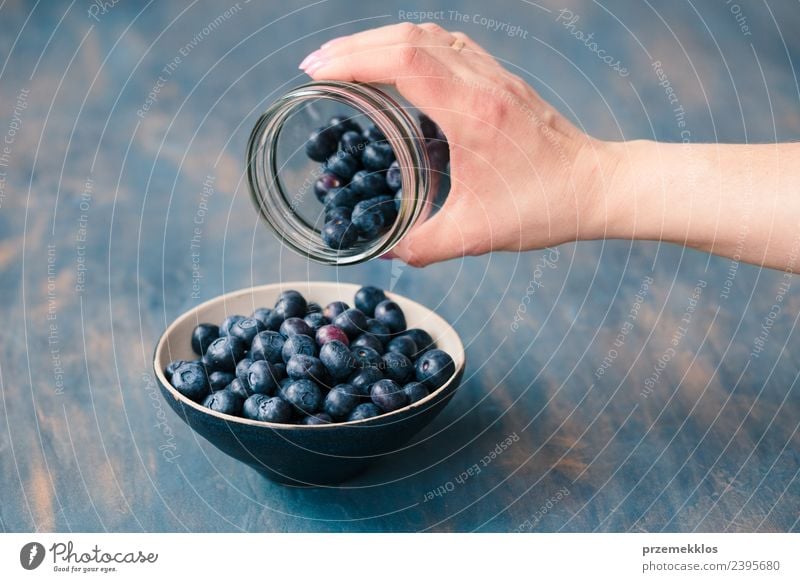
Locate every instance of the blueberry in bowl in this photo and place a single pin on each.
(304, 407)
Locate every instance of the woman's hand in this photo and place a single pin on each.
(522, 176)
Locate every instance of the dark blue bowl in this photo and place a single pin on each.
(298, 454)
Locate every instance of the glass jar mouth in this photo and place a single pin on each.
(275, 203)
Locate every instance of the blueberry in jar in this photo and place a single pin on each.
(202, 336)
(377, 156)
(339, 198)
(340, 401)
(373, 134)
(296, 326)
(367, 184)
(394, 177)
(352, 142)
(367, 298)
(246, 329)
(326, 182)
(328, 333)
(388, 395)
(397, 367)
(339, 234)
(266, 409)
(368, 221)
(435, 367)
(224, 401)
(389, 313)
(415, 391)
(224, 352)
(387, 207)
(337, 359)
(352, 322)
(338, 125)
(364, 411)
(298, 345)
(263, 378)
(191, 380)
(304, 395)
(402, 344)
(338, 213)
(267, 345)
(321, 144)
(343, 164)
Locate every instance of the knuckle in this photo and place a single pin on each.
(409, 32)
(434, 28)
(407, 56)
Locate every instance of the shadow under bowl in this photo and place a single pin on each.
(297, 454)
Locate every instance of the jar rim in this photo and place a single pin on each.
(273, 201)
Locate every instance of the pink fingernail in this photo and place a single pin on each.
(309, 60)
(314, 66)
(332, 42)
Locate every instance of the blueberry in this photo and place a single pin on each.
(262, 314)
(368, 221)
(303, 367)
(377, 156)
(225, 326)
(325, 183)
(267, 345)
(191, 380)
(241, 389)
(313, 307)
(262, 378)
(202, 336)
(314, 419)
(219, 380)
(422, 339)
(394, 177)
(368, 340)
(283, 384)
(366, 357)
(340, 401)
(338, 213)
(397, 367)
(372, 133)
(242, 368)
(364, 411)
(343, 164)
(389, 313)
(224, 401)
(387, 207)
(246, 329)
(337, 359)
(291, 304)
(329, 333)
(415, 391)
(321, 143)
(273, 321)
(352, 142)
(298, 344)
(402, 344)
(296, 326)
(316, 321)
(339, 198)
(352, 322)
(367, 298)
(366, 184)
(279, 371)
(339, 234)
(265, 409)
(335, 308)
(435, 367)
(379, 330)
(340, 124)
(363, 380)
(304, 395)
(172, 366)
(224, 352)
(388, 395)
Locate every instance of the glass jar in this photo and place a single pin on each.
(281, 178)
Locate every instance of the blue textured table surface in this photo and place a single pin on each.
(647, 387)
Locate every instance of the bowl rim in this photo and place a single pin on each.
(162, 379)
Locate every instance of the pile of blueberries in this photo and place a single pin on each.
(300, 363)
(361, 184)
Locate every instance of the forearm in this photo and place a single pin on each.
(739, 201)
